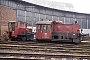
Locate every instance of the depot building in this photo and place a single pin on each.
(31, 11)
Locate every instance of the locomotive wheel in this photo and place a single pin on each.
(77, 41)
(23, 38)
(38, 40)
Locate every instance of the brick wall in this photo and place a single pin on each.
(6, 14)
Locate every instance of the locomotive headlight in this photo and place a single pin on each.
(73, 34)
(12, 32)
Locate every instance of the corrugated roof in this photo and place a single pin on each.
(52, 4)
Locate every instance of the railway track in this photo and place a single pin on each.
(44, 51)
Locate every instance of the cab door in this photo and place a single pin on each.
(46, 32)
(11, 27)
(39, 28)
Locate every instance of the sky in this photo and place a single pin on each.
(81, 6)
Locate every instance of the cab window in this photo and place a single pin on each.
(46, 27)
(21, 24)
(40, 27)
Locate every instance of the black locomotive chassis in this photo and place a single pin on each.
(28, 36)
(69, 36)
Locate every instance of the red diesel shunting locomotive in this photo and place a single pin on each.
(19, 30)
(56, 30)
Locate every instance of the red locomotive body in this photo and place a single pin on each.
(19, 30)
(56, 30)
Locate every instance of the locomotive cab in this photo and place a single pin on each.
(43, 29)
(11, 27)
(19, 30)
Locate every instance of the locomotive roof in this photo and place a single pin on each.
(12, 21)
(48, 22)
(44, 22)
